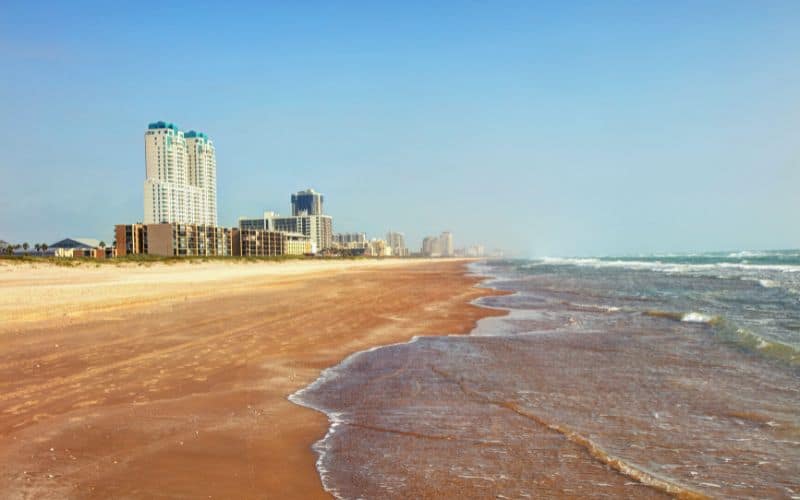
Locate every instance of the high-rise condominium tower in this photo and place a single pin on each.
(446, 244)
(397, 242)
(181, 169)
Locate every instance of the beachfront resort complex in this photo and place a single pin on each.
(180, 216)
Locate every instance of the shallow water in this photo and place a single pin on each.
(593, 386)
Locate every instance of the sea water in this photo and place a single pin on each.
(647, 376)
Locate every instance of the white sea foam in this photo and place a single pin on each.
(667, 267)
(768, 283)
(696, 317)
(746, 254)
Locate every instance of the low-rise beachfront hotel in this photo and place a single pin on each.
(319, 228)
(258, 243)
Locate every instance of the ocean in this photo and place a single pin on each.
(641, 377)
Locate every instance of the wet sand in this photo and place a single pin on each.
(564, 397)
(171, 381)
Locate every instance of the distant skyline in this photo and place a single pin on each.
(584, 128)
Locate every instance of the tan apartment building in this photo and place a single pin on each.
(260, 243)
(173, 240)
(317, 227)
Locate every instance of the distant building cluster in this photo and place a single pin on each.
(438, 246)
(180, 208)
(180, 211)
(358, 244)
(473, 251)
(180, 216)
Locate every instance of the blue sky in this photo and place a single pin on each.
(569, 128)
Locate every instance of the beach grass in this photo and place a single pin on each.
(146, 260)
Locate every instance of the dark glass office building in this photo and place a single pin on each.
(308, 202)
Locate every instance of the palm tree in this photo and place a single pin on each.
(102, 244)
(37, 247)
(25, 246)
(43, 247)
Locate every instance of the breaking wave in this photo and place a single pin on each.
(736, 336)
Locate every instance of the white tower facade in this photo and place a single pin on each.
(201, 160)
(181, 170)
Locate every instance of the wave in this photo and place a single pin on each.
(768, 283)
(335, 419)
(764, 282)
(752, 342)
(747, 254)
(696, 317)
(785, 277)
(735, 336)
(663, 266)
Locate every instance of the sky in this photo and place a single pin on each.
(562, 128)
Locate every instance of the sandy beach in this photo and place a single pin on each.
(171, 381)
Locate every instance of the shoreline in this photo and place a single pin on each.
(577, 395)
(97, 429)
(628, 474)
(296, 397)
(332, 417)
